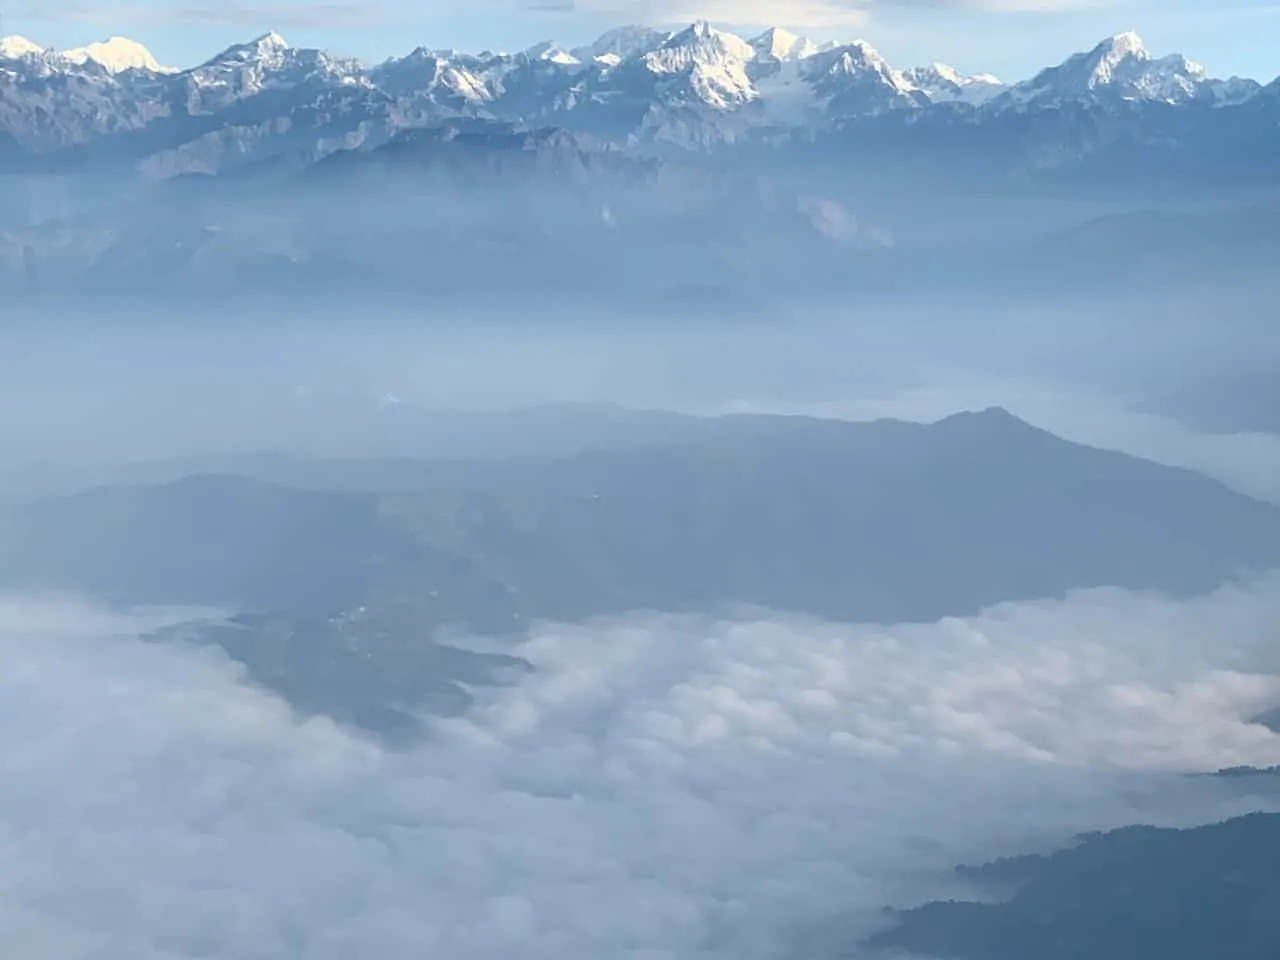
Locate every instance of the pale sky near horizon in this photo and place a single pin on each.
(1010, 38)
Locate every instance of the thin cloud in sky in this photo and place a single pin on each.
(222, 14)
(816, 14)
(807, 13)
(812, 13)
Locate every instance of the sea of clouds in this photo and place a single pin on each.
(659, 787)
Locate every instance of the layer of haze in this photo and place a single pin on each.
(116, 390)
(659, 787)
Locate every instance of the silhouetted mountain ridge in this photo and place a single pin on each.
(1136, 892)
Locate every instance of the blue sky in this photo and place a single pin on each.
(1011, 38)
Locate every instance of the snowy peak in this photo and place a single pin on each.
(271, 41)
(857, 56)
(713, 62)
(1121, 68)
(551, 53)
(699, 44)
(778, 44)
(445, 78)
(942, 84)
(1109, 58)
(854, 80)
(268, 47)
(15, 48)
(857, 61)
(699, 29)
(267, 62)
(115, 55)
(951, 75)
(460, 82)
(622, 43)
(1127, 44)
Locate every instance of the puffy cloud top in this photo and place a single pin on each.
(659, 787)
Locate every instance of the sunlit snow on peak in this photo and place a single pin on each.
(116, 54)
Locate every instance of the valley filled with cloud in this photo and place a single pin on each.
(659, 786)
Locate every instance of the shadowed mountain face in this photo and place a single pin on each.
(475, 210)
(449, 210)
(881, 522)
(1139, 892)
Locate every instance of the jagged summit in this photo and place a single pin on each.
(1107, 58)
(269, 45)
(552, 52)
(701, 37)
(698, 87)
(1127, 43)
(776, 42)
(858, 58)
(712, 62)
(1121, 68)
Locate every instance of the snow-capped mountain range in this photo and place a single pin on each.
(698, 87)
(114, 55)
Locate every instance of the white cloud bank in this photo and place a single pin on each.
(660, 788)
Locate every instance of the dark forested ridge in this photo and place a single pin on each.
(1140, 893)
